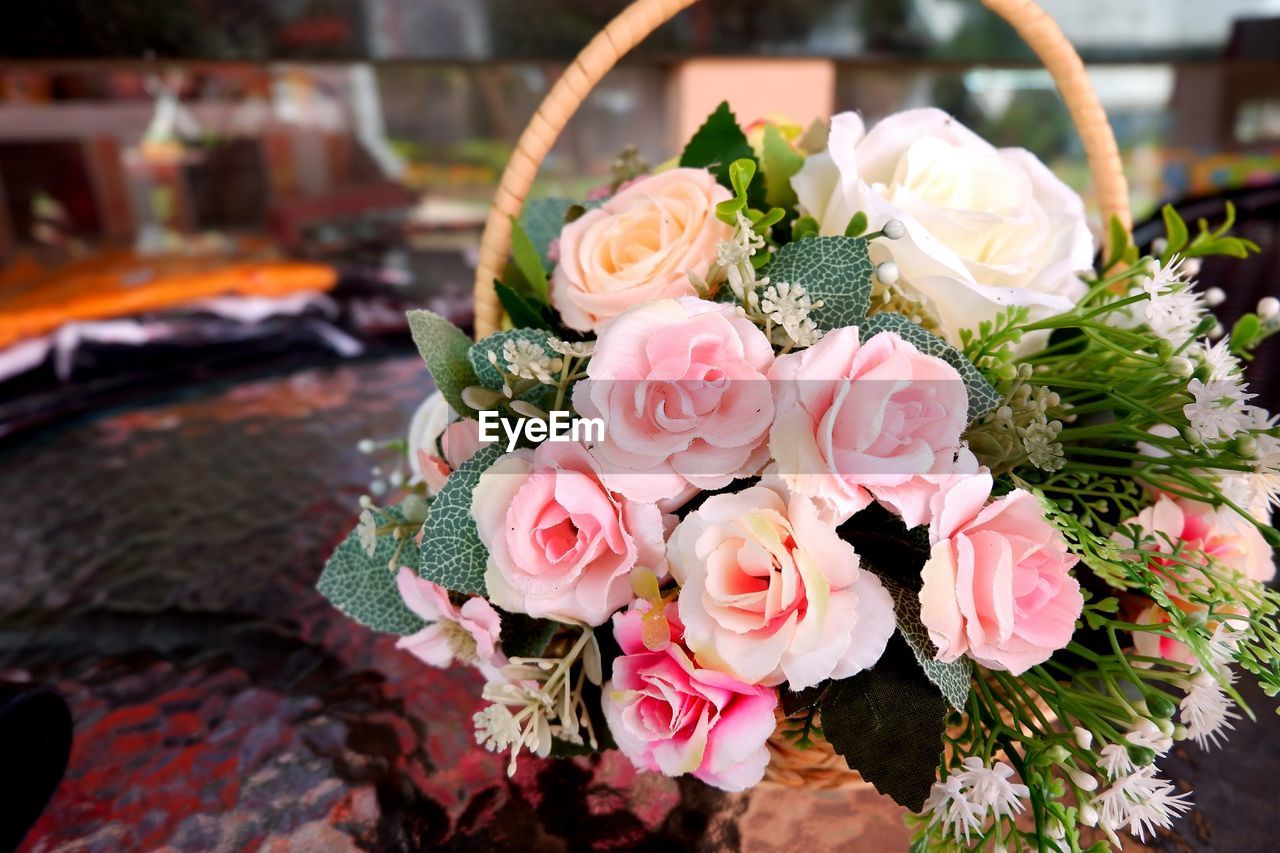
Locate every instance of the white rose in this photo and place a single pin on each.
(985, 227)
(429, 423)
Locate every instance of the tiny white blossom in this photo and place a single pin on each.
(1142, 801)
(953, 809)
(527, 360)
(1218, 409)
(1083, 737)
(1039, 439)
(1174, 315)
(1164, 278)
(1206, 709)
(1115, 761)
(581, 349)
(496, 728)
(789, 306)
(1222, 364)
(1147, 734)
(990, 788)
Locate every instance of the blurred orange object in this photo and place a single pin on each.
(35, 300)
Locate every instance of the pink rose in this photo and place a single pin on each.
(1219, 533)
(638, 246)
(857, 421)
(561, 544)
(682, 388)
(770, 593)
(997, 584)
(668, 714)
(467, 634)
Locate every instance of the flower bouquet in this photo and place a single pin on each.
(833, 449)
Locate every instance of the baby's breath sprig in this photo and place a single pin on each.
(539, 701)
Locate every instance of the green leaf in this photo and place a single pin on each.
(542, 221)
(857, 225)
(1175, 229)
(982, 396)
(741, 172)
(527, 259)
(717, 144)
(804, 228)
(1245, 334)
(444, 348)
(781, 162)
(1119, 240)
(836, 270)
(887, 722)
(363, 586)
(954, 679)
(523, 313)
(884, 543)
(525, 637)
(452, 553)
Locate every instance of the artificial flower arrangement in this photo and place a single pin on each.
(838, 439)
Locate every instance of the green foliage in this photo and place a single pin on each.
(363, 585)
(452, 553)
(1208, 241)
(836, 270)
(523, 313)
(857, 225)
(445, 349)
(888, 722)
(528, 261)
(525, 637)
(982, 396)
(953, 679)
(717, 144)
(542, 221)
(804, 228)
(781, 163)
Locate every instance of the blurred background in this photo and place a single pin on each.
(213, 214)
(161, 162)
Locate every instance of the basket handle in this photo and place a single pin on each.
(642, 17)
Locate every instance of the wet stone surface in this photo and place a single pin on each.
(158, 568)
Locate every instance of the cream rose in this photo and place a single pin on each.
(769, 592)
(985, 227)
(638, 246)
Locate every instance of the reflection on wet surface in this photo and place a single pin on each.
(158, 568)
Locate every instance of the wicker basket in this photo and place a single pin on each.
(817, 767)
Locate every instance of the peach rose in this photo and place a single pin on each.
(769, 592)
(862, 420)
(997, 584)
(1219, 533)
(638, 246)
(560, 544)
(681, 386)
(668, 714)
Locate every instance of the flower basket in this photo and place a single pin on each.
(827, 458)
(817, 765)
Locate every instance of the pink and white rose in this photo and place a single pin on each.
(861, 420)
(1217, 533)
(466, 633)
(670, 715)
(997, 584)
(561, 544)
(985, 227)
(638, 246)
(681, 385)
(769, 592)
